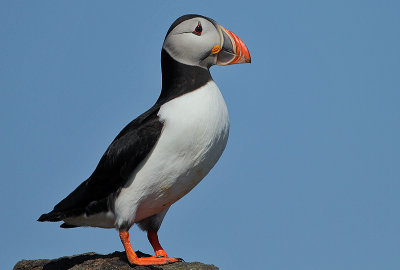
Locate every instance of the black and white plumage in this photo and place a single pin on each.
(165, 152)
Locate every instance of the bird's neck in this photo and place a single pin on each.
(179, 79)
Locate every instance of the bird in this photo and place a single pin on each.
(165, 152)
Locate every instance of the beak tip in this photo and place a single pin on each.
(247, 54)
(248, 60)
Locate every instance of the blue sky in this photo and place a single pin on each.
(310, 176)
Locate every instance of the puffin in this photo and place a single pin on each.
(164, 153)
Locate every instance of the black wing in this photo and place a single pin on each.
(128, 149)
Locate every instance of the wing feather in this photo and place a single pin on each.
(121, 158)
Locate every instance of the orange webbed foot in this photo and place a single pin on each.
(153, 260)
(153, 239)
(161, 253)
(160, 258)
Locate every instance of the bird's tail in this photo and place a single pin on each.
(52, 216)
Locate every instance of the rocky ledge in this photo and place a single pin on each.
(113, 261)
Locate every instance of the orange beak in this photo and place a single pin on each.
(233, 49)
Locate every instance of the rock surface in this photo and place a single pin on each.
(113, 261)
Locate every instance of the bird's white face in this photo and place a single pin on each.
(191, 42)
(202, 42)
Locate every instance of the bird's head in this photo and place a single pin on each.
(199, 41)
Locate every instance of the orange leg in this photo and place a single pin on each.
(133, 258)
(153, 238)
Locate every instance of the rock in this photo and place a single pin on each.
(113, 261)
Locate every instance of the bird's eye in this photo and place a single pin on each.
(198, 29)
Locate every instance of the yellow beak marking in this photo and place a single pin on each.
(216, 49)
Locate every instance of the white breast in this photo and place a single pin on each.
(196, 127)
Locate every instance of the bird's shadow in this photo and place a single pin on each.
(116, 259)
